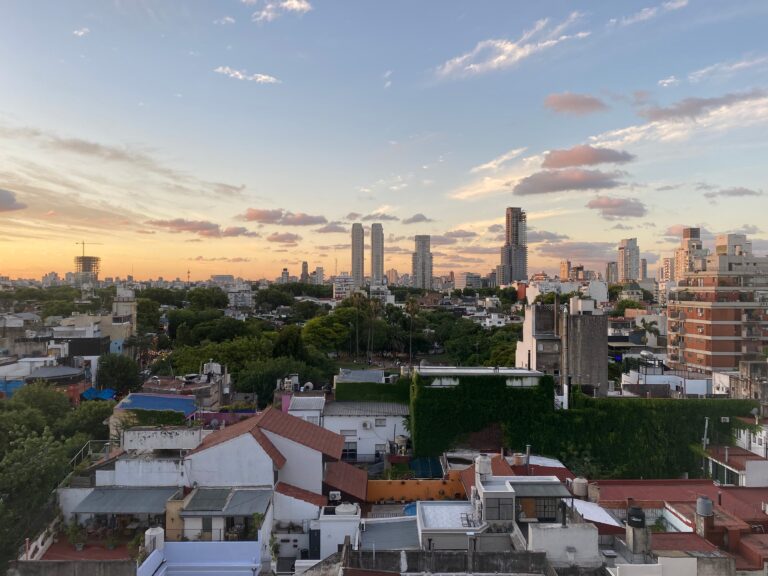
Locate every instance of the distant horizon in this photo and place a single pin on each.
(243, 137)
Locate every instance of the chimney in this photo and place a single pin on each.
(705, 517)
(527, 459)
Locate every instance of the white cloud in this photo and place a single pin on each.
(243, 75)
(80, 32)
(500, 182)
(726, 68)
(668, 81)
(648, 13)
(496, 163)
(270, 11)
(224, 20)
(497, 54)
(387, 77)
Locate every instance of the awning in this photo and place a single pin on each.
(126, 501)
(540, 490)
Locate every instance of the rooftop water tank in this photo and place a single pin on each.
(580, 487)
(483, 464)
(346, 509)
(704, 506)
(636, 517)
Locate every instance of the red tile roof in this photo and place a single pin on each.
(737, 457)
(651, 493)
(681, 541)
(302, 432)
(247, 426)
(745, 503)
(347, 478)
(300, 494)
(499, 467)
(281, 424)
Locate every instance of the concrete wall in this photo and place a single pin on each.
(73, 568)
(333, 530)
(756, 474)
(237, 462)
(367, 439)
(680, 566)
(412, 490)
(444, 561)
(584, 348)
(162, 438)
(303, 467)
(152, 472)
(69, 498)
(555, 540)
(289, 509)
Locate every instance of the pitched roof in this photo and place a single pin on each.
(681, 541)
(499, 467)
(365, 409)
(300, 494)
(651, 493)
(247, 426)
(347, 478)
(301, 432)
(281, 424)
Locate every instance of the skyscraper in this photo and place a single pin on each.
(629, 260)
(667, 269)
(643, 269)
(514, 253)
(422, 264)
(691, 254)
(304, 279)
(565, 269)
(612, 273)
(358, 255)
(377, 254)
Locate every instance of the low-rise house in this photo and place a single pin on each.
(368, 428)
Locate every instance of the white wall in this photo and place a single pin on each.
(756, 475)
(333, 530)
(289, 509)
(554, 539)
(193, 527)
(162, 439)
(303, 467)
(140, 472)
(237, 462)
(367, 439)
(69, 498)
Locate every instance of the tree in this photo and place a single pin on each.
(51, 403)
(503, 354)
(622, 305)
(119, 373)
(261, 377)
(147, 315)
(289, 344)
(205, 298)
(88, 418)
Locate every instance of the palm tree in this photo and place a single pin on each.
(411, 308)
(649, 327)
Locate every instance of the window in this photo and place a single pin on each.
(546, 509)
(380, 448)
(313, 420)
(207, 524)
(349, 452)
(348, 432)
(499, 509)
(381, 422)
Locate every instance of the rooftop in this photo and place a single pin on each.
(123, 500)
(347, 478)
(733, 456)
(307, 403)
(473, 371)
(228, 502)
(446, 515)
(300, 494)
(173, 402)
(400, 534)
(349, 375)
(651, 493)
(371, 409)
(681, 541)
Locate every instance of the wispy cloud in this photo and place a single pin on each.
(499, 161)
(235, 260)
(726, 68)
(387, 77)
(736, 192)
(691, 108)
(243, 75)
(417, 218)
(570, 179)
(268, 10)
(585, 155)
(204, 228)
(576, 104)
(80, 32)
(283, 238)
(648, 13)
(332, 227)
(668, 81)
(8, 202)
(612, 208)
(282, 217)
(224, 20)
(379, 216)
(497, 54)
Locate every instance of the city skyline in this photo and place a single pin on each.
(221, 138)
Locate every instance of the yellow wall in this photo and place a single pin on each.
(412, 490)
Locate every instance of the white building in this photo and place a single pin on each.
(629, 260)
(367, 427)
(343, 286)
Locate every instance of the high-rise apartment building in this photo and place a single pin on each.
(358, 255)
(421, 260)
(718, 315)
(691, 255)
(392, 276)
(304, 278)
(565, 269)
(377, 254)
(514, 253)
(667, 270)
(612, 273)
(318, 276)
(643, 269)
(629, 260)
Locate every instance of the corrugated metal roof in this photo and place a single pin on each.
(126, 501)
(307, 403)
(371, 409)
(247, 502)
(540, 490)
(348, 375)
(210, 499)
(399, 535)
(177, 403)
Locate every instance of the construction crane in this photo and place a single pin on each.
(83, 243)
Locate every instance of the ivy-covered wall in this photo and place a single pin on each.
(605, 437)
(372, 392)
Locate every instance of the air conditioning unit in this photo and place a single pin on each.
(725, 419)
(366, 425)
(334, 496)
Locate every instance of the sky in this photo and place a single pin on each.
(245, 136)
